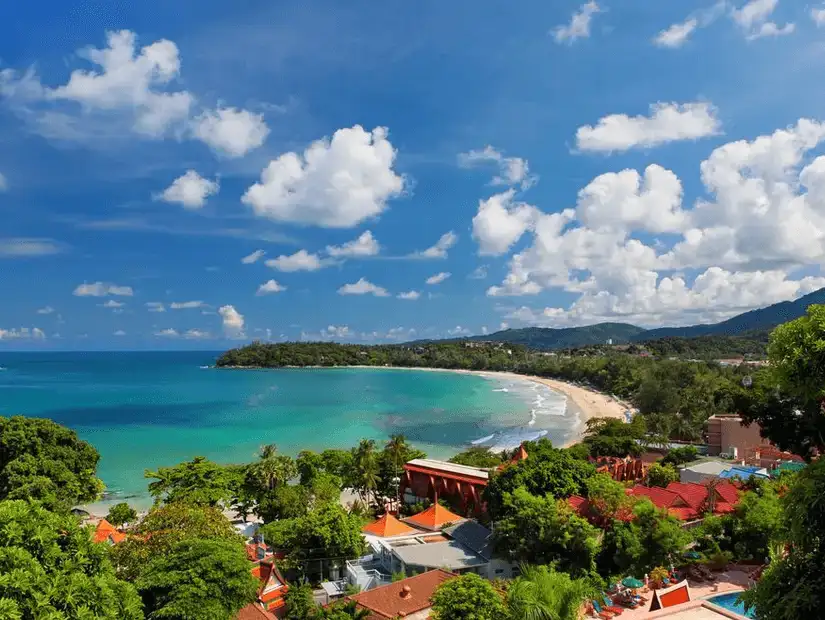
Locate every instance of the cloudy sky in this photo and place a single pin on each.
(189, 174)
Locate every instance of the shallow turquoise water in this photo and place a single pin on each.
(145, 410)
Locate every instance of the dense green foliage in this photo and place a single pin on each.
(680, 456)
(42, 460)
(198, 482)
(198, 580)
(709, 347)
(792, 586)
(468, 597)
(544, 530)
(547, 471)
(300, 604)
(311, 541)
(478, 456)
(659, 475)
(613, 437)
(121, 513)
(541, 592)
(166, 526)
(49, 568)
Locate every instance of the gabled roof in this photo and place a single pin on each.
(404, 597)
(254, 611)
(474, 536)
(433, 518)
(105, 531)
(668, 597)
(694, 495)
(660, 497)
(388, 526)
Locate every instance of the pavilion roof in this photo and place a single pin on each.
(388, 526)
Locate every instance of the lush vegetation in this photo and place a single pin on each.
(49, 568)
(479, 456)
(121, 513)
(468, 597)
(41, 460)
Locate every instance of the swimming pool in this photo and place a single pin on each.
(731, 603)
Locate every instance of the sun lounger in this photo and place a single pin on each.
(609, 606)
(605, 615)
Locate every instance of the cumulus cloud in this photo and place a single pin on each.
(438, 278)
(45, 310)
(441, 247)
(364, 245)
(186, 305)
(233, 322)
(22, 333)
(579, 26)
(196, 334)
(333, 331)
(269, 287)
(500, 222)
(155, 306)
(459, 331)
(818, 15)
(4, 184)
(167, 333)
(336, 183)
(409, 295)
(479, 273)
(26, 247)
(253, 258)
(753, 16)
(667, 122)
(363, 287)
(102, 289)
(231, 132)
(676, 35)
(131, 84)
(190, 190)
(512, 170)
(113, 304)
(300, 261)
(119, 333)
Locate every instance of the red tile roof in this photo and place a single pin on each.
(687, 501)
(434, 518)
(105, 531)
(272, 587)
(254, 611)
(388, 526)
(402, 598)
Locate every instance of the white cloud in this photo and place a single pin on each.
(22, 333)
(818, 15)
(102, 289)
(155, 306)
(512, 170)
(753, 16)
(4, 184)
(112, 304)
(500, 222)
(336, 183)
(363, 287)
(131, 84)
(167, 333)
(233, 322)
(23, 247)
(459, 331)
(190, 190)
(441, 247)
(186, 305)
(668, 122)
(269, 287)
(333, 331)
(409, 295)
(364, 245)
(119, 333)
(253, 258)
(676, 35)
(438, 278)
(231, 132)
(196, 334)
(300, 261)
(45, 310)
(484, 330)
(579, 26)
(479, 273)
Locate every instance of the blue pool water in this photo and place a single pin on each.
(731, 603)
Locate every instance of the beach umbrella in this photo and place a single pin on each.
(632, 583)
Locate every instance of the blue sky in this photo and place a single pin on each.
(578, 162)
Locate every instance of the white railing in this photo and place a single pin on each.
(365, 578)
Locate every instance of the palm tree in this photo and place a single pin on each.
(272, 468)
(543, 594)
(366, 469)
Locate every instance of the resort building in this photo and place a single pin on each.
(430, 479)
(690, 501)
(108, 533)
(727, 434)
(272, 587)
(409, 598)
(709, 469)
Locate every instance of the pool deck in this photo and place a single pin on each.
(698, 608)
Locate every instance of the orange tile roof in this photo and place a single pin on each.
(254, 612)
(434, 518)
(404, 597)
(388, 526)
(105, 531)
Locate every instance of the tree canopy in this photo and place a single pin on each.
(198, 482)
(49, 568)
(478, 456)
(121, 513)
(198, 579)
(541, 592)
(42, 460)
(468, 597)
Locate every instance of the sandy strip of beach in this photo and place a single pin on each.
(590, 403)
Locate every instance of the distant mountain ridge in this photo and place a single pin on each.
(755, 324)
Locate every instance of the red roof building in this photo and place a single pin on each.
(272, 588)
(431, 479)
(106, 532)
(388, 526)
(254, 611)
(669, 597)
(434, 518)
(689, 501)
(402, 598)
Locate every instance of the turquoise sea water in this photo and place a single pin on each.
(145, 410)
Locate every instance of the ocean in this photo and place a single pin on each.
(144, 410)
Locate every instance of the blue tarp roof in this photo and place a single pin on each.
(742, 472)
